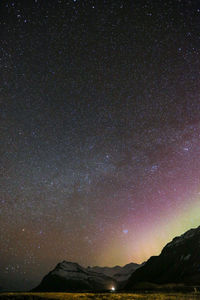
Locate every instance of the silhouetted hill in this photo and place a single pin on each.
(179, 262)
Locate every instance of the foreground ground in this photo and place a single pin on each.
(103, 296)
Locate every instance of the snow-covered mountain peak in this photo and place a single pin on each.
(68, 266)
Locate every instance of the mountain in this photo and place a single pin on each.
(68, 276)
(117, 272)
(179, 262)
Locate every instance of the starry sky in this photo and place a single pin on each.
(99, 132)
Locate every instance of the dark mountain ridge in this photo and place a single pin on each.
(179, 262)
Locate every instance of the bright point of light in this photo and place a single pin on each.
(112, 289)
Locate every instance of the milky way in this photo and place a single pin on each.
(100, 132)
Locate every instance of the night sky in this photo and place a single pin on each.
(99, 132)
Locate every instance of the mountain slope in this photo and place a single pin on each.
(68, 276)
(179, 262)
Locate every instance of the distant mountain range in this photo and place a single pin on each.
(69, 276)
(120, 274)
(179, 262)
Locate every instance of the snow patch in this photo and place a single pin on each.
(187, 257)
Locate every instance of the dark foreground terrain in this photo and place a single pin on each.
(103, 296)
